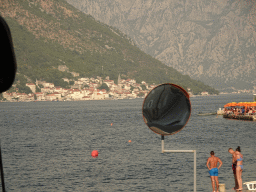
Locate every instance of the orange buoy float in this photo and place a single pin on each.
(94, 153)
(130, 141)
(111, 124)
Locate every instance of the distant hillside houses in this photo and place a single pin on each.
(82, 89)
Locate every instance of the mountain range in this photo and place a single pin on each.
(50, 33)
(209, 40)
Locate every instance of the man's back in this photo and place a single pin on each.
(213, 170)
(213, 161)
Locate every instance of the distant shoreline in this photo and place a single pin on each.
(191, 96)
(68, 100)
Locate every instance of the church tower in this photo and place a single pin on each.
(119, 85)
(119, 79)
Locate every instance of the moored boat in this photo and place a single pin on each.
(240, 117)
(206, 114)
(240, 111)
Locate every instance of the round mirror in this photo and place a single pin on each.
(166, 109)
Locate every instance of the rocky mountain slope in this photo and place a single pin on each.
(210, 40)
(50, 33)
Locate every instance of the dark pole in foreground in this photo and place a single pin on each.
(7, 71)
(162, 139)
(2, 171)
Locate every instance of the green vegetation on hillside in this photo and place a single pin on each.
(104, 86)
(91, 49)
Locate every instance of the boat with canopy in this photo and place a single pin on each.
(240, 111)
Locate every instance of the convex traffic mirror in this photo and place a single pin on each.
(166, 109)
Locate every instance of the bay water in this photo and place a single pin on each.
(46, 146)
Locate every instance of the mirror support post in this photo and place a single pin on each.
(182, 151)
(162, 138)
(194, 170)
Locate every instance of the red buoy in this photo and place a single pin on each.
(94, 153)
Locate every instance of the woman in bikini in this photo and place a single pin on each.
(239, 168)
(231, 151)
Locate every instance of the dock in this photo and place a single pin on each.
(240, 117)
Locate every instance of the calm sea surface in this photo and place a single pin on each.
(46, 146)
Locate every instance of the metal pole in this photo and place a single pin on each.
(182, 151)
(162, 138)
(179, 151)
(194, 170)
(2, 171)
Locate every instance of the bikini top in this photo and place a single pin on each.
(240, 159)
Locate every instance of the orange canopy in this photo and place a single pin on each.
(233, 104)
(253, 104)
(226, 105)
(243, 104)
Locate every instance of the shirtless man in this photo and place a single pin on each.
(213, 170)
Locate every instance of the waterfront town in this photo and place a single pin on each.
(86, 89)
(82, 89)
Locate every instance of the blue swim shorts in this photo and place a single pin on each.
(214, 172)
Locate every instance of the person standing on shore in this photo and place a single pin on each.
(212, 163)
(239, 168)
(231, 151)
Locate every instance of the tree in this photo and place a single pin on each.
(12, 89)
(86, 85)
(71, 82)
(141, 95)
(104, 86)
(143, 87)
(24, 89)
(38, 89)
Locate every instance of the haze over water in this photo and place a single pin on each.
(46, 146)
